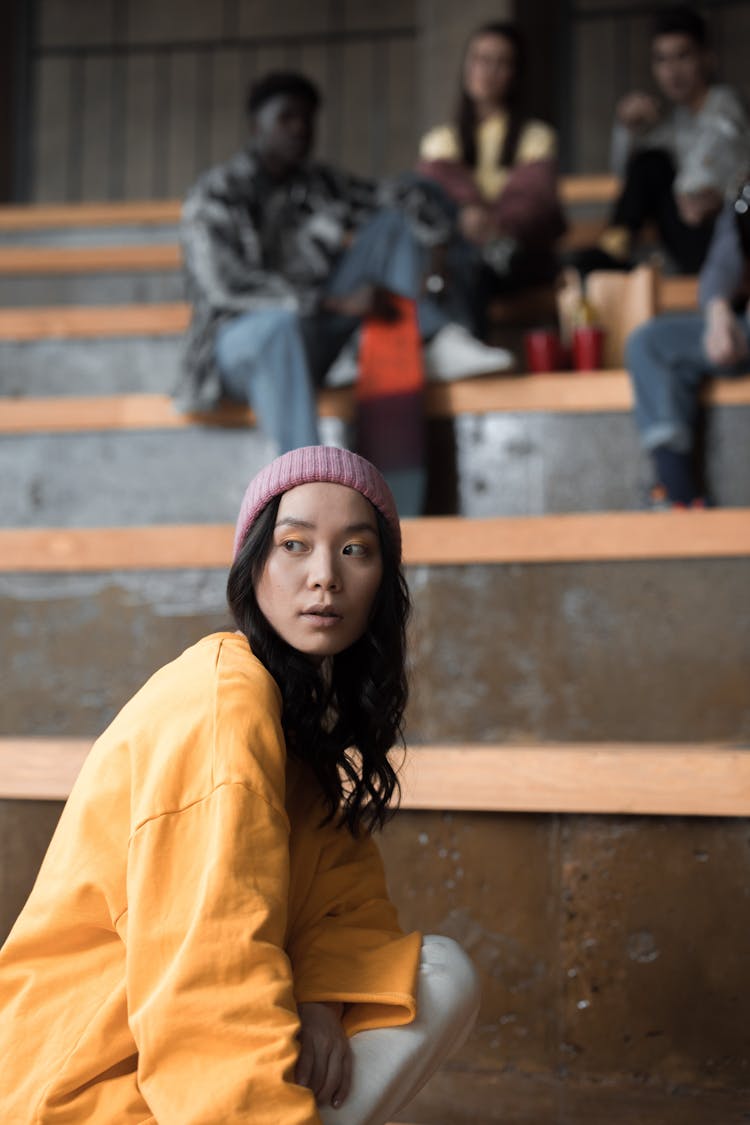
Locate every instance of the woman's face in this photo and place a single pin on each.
(489, 69)
(324, 569)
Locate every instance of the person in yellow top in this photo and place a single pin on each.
(210, 939)
(499, 166)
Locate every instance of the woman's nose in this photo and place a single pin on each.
(323, 573)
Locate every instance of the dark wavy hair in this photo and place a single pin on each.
(466, 114)
(344, 724)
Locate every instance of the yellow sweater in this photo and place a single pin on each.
(188, 898)
(537, 142)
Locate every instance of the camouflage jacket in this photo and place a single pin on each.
(251, 242)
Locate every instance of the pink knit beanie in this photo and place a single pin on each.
(316, 463)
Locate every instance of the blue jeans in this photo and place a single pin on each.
(274, 358)
(667, 366)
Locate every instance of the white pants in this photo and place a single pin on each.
(392, 1064)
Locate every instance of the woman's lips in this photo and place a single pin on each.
(321, 618)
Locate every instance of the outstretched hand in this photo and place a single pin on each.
(325, 1058)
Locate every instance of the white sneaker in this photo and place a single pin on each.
(453, 353)
(344, 370)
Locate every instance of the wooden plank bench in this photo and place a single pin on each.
(172, 318)
(429, 541)
(660, 779)
(153, 212)
(601, 392)
(20, 261)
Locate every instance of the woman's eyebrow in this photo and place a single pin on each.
(290, 521)
(350, 529)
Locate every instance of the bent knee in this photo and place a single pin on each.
(389, 219)
(246, 337)
(638, 343)
(444, 960)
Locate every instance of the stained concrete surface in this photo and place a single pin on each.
(105, 479)
(134, 234)
(144, 287)
(613, 958)
(89, 367)
(529, 464)
(505, 464)
(643, 651)
(559, 652)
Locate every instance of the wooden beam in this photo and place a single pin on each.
(147, 212)
(60, 322)
(40, 769)
(46, 216)
(589, 189)
(677, 294)
(603, 778)
(172, 318)
(433, 541)
(601, 392)
(45, 260)
(25, 260)
(665, 780)
(75, 414)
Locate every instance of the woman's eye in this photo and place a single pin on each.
(357, 549)
(291, 546)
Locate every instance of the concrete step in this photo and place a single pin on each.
(650, 649)
(113, 233)
(506, 464)
(93, 366)
(126, 273)
(105, 288)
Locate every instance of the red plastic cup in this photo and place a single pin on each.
(543, 350)
(588, 348)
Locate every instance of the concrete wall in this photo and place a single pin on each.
(143, 125)
(609, 55)
(612, 950)
(148, 121)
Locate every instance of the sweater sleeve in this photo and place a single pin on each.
(717, 152)
(723, 270)
(346, 944)
(528, 208)
(209, 986)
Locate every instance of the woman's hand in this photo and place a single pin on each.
(724, 340)
(325, 1058)
(475, 224)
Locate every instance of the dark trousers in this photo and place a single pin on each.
(648, 197)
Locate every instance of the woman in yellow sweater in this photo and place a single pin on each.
(210, 926)
(499, 166)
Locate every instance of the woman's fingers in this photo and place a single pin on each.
(319, 1069)
(345, 1079)
(336, 1084)
(303, 1069)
